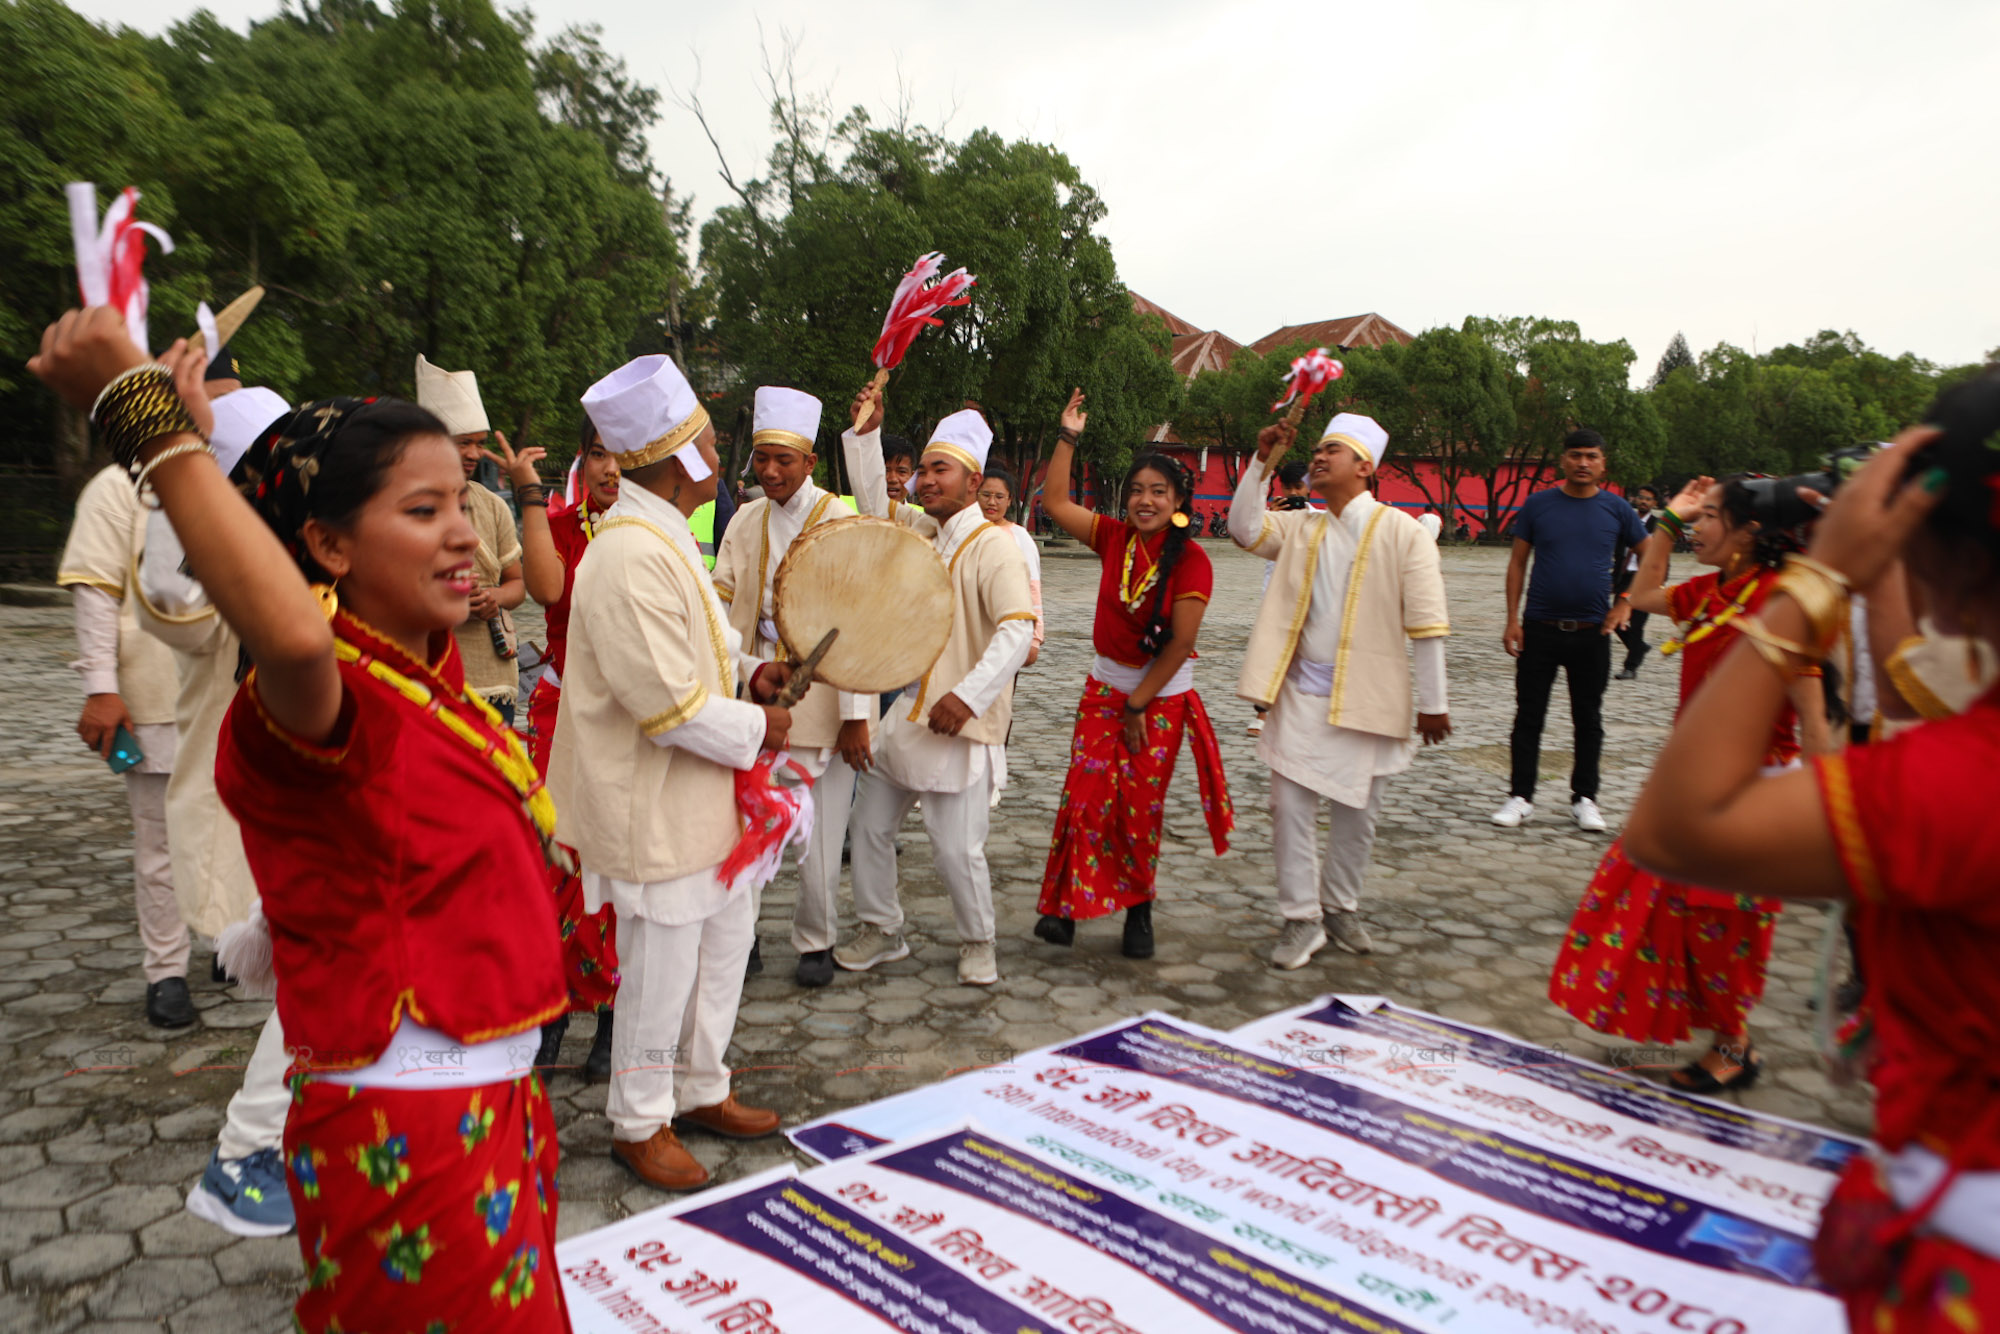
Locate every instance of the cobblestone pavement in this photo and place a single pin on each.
(105, 1122)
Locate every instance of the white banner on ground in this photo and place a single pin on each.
(1443, 1218)
(1766, 1167)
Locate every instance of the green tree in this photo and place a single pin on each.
(801, 266)
(1675, 357)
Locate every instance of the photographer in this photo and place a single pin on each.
(1904, 829)
(1648, 958)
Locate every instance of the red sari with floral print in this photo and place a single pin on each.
(1650, 959)
(1105, 852)
(1912, 818)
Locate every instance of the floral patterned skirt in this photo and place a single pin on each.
(590, 940)
(1652, 960)
(1940, 1287)
(1106, 849)
(425, 1209)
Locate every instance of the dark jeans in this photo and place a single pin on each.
(1633, 636)
(1584, 655)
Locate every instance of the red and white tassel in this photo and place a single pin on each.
(774, 798)
(1309, 374)
(919, 296)
(110, 256)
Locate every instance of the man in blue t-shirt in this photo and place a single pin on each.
(1574, 531)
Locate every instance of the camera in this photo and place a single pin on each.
(1777, 500)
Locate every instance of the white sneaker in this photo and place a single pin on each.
(976, 964)
(1256, 727)
(1516, 810)
(1297, 943)
(1588, 817)
(869, 946)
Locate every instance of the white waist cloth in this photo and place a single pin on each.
(423, 1058)
(1120, 677)
(1969, 1213)
(917, 759)
(1339, 763)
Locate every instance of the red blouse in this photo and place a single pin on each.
(1116, 632)
(1706, 597)
(566, 527)
(1913, 820)
(396, 867)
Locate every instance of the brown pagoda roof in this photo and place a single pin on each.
(1369, 330)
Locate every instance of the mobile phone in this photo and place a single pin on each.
(125, 752)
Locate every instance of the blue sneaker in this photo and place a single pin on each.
(246, 1196)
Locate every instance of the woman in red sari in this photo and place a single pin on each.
(1138, 702)
(553, 539)
(1650, 959)
(1904, 832)
(414, 960)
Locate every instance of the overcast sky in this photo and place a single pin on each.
(1744, 172)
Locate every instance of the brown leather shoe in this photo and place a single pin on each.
(730, 1117)
(661, 1161)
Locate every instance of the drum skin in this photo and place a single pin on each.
(881, 585)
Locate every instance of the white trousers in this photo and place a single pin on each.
(161, 930)
(816, 918)
(256, 1117)
(956, 822)
(678, 990)
(1306, 884)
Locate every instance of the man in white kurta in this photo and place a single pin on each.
(128, 680)
(940, 738)
(243, 1187)
(643, 768)
(830, 728)
(1326, 655)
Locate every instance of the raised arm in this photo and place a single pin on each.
(541, 563)
(862, 446)
(1649, 591)
(1073, 518)
(1249, 525)
(249, 576)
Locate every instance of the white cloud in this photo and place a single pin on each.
(1742, 172)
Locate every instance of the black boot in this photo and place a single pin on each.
(1056, 930)
(549, 1054)
(1139, 931)
(168, 1004)
(597, 1066)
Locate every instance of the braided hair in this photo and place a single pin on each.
(1159, 627)
(325, 461)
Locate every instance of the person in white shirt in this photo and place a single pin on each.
(1350, 584)
(940, 736)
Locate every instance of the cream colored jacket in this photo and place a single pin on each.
(651, 732)
(212, 880)
(105, 540)
(1395, 593)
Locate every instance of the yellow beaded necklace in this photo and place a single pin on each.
(1131, 596)
(1706, 624)
(509, 756)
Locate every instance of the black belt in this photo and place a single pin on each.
(1571, 627)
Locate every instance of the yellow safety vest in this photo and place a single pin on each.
(702, 524)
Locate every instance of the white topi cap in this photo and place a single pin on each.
(964, 436)
(452, 397)
(1364, 435)
(239, 419)
(785, 417)
(646, 411)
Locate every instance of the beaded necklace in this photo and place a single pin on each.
(509, 756)
(1129, 595)
(1714, 617)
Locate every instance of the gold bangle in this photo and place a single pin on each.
(1821, 569)
(138, 408)
(1823, 602)
(195, 446)
(1754, 628)
(1775, 656)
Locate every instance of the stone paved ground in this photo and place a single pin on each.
(105, 1121)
